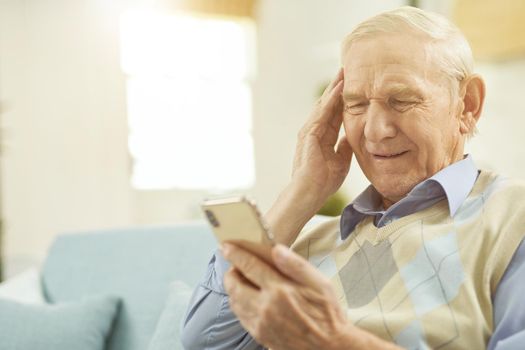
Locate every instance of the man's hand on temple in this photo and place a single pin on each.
(290, 305)
(321, 164)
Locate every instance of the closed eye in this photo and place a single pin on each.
(402, 105)
(356, 108)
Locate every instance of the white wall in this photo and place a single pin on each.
(500, 143)
(65, 164)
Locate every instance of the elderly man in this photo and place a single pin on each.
(428, 256)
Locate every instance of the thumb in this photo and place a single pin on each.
(296, 267)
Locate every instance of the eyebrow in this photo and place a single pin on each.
(403, 90)
(394, 89)
(353, 97)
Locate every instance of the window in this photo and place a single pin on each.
(189, 100)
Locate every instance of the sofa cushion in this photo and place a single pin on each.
(136, 264)
(24, 288)
(80, 325)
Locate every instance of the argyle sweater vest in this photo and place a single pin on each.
(425, 280)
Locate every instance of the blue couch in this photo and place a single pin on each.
(136, 264)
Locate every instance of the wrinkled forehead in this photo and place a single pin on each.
(391, 61)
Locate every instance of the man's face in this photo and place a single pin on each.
(399, 118)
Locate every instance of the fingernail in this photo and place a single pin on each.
(282, 253)
(225, 249)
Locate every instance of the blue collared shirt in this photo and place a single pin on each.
(453, 183)
(210, 324)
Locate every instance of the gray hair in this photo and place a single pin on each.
(454, 57)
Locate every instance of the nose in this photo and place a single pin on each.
(379, 123)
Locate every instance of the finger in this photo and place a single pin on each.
(335, 80)
(252, 267)
(344, 149)
(296, 268)
(333, 127)
(327, 124)
(337, 109)
(237, 286)
(243, 297)
(328, 107)
(335, 95)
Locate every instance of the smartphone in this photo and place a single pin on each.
(237, 220)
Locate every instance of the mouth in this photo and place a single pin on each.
(388, 156)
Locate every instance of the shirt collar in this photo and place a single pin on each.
(457, 181)
(454, 182)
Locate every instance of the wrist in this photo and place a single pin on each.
(294, 207)
(305, 197)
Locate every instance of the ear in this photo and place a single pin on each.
(472, 94)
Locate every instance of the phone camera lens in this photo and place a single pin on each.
(211, 218)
